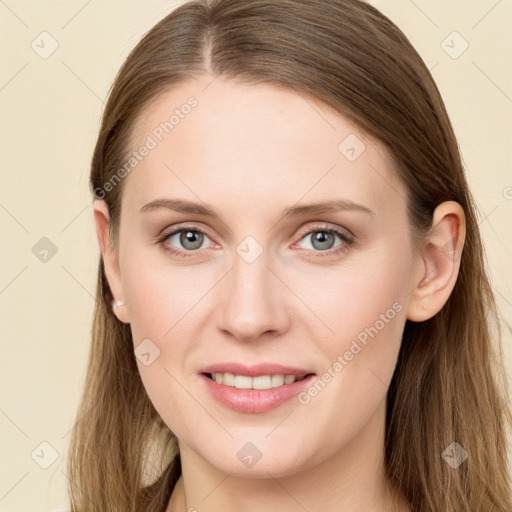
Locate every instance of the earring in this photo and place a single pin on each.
(425, 306)
(117, 304)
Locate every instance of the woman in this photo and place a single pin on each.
(293, 309)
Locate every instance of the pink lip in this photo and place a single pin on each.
(255, 400)
(255, 370)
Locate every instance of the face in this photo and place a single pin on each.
(320, 292)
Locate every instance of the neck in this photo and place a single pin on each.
(353, 479)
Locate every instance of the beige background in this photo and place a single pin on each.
(50, 116)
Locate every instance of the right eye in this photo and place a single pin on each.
(190, 238)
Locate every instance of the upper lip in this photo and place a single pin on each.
(255, 370)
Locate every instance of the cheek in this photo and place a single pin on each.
(161, 300)
(368, 288)
(160, 295)
(364, 308)
(361, 346)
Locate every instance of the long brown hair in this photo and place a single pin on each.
(450, 384)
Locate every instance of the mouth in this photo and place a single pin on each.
(261, 382)
(254, 394)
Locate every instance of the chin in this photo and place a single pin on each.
(259, 459)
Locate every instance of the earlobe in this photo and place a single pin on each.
(440, 258)
(110, 258)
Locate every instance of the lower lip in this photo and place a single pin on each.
(255, 400)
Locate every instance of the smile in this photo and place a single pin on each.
(247, 382)
(241, 392)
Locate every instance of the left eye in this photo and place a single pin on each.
(323, 239)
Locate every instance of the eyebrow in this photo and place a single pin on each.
(184, 206)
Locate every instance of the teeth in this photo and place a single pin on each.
(243, 382)
(246, 382)
(277, 380)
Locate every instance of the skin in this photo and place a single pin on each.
(250, 151)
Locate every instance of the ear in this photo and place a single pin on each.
(440, 262)
(110, 257)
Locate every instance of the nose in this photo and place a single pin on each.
(253, 301)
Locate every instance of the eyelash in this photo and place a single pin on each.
(348, 241)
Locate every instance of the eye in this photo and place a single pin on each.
(322, 239)
(190, 238)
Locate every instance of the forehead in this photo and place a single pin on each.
(260, 142)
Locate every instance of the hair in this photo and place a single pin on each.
(449, 385)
